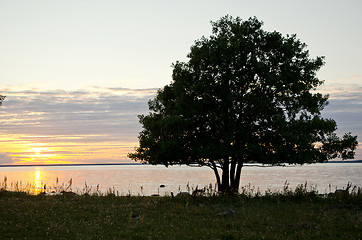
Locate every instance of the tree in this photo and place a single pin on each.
(245, 95)
(2, 99)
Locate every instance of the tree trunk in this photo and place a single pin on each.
(232, 172)
(225, 176)
(217, 175)
(230, 180)
(237, 177)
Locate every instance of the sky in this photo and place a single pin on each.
(78, 73)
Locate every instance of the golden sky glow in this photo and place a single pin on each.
(63, 150)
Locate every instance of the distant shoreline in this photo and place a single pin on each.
(117, 164)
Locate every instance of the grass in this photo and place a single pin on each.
(291, 214)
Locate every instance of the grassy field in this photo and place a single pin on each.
(290, 215)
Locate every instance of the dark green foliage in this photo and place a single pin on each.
(245, 95)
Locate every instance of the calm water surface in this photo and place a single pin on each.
(146, 179)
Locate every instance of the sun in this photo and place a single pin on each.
(39, 150)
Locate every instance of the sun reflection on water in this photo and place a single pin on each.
(38, 185)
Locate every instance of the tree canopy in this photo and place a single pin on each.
(245, 95)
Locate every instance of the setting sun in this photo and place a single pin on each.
(38, 150)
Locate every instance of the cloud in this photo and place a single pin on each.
(101, 124)
(59, 112)
(5, 158)
(346, 88)
(345, 98)
(85, 122)
(345, 106)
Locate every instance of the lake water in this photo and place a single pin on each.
(146, 179)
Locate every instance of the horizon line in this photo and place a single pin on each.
(115, 164)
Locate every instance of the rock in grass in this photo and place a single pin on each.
(183, 194)
(341, 193)
(68, 194)
(228, 212)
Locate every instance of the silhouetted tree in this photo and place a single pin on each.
(245, 95)
(2, 99)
